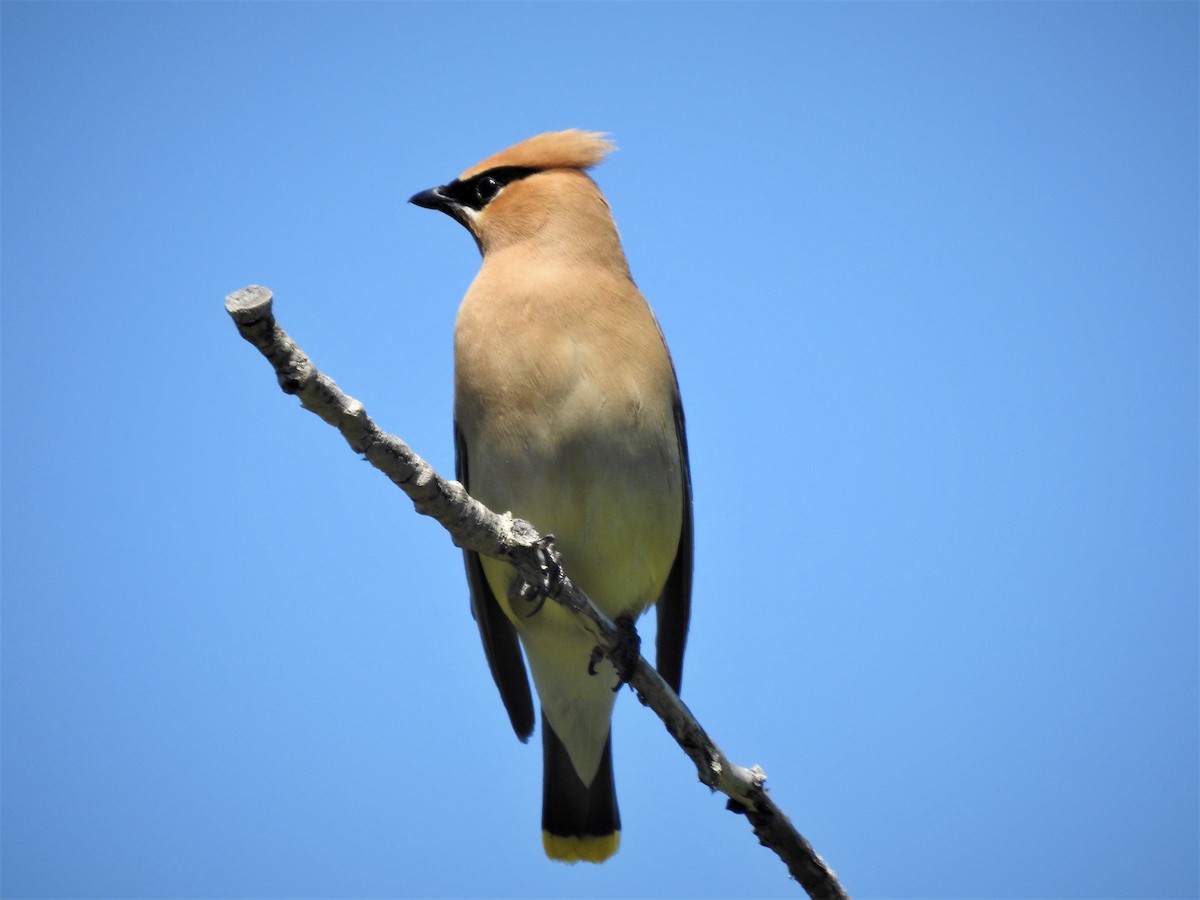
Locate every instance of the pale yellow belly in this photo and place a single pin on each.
(615, 510)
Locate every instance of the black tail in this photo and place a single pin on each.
(579, 821)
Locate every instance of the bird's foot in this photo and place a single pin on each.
(552, 582)
(624, 655)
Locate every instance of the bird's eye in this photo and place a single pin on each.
(486, 188)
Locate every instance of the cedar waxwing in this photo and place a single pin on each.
(567, 414)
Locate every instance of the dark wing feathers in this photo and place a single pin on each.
(500, 643)
(675, 604)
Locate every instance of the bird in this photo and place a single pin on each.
(567, 414)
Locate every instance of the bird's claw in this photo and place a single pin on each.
(624, 655)
(552, 581)
(597, 655)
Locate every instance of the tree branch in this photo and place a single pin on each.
(502, 536)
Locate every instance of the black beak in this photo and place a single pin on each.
(431, 199)
(437, 198)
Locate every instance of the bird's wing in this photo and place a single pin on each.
(675, 605)
(500, 642)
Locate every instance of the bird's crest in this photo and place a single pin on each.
(570, 149)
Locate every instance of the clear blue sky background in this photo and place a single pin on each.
(929, 274)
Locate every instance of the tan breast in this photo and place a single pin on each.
(564, 393)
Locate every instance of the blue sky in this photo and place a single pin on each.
(929, 276)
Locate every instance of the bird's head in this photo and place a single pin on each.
(537, 189)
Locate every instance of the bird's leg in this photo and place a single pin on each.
(628, 651)
(553, 577)
(624, 655)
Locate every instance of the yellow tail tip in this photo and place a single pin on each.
(580, 849)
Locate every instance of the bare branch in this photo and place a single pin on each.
(501, 536)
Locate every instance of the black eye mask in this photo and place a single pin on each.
(478, 191)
